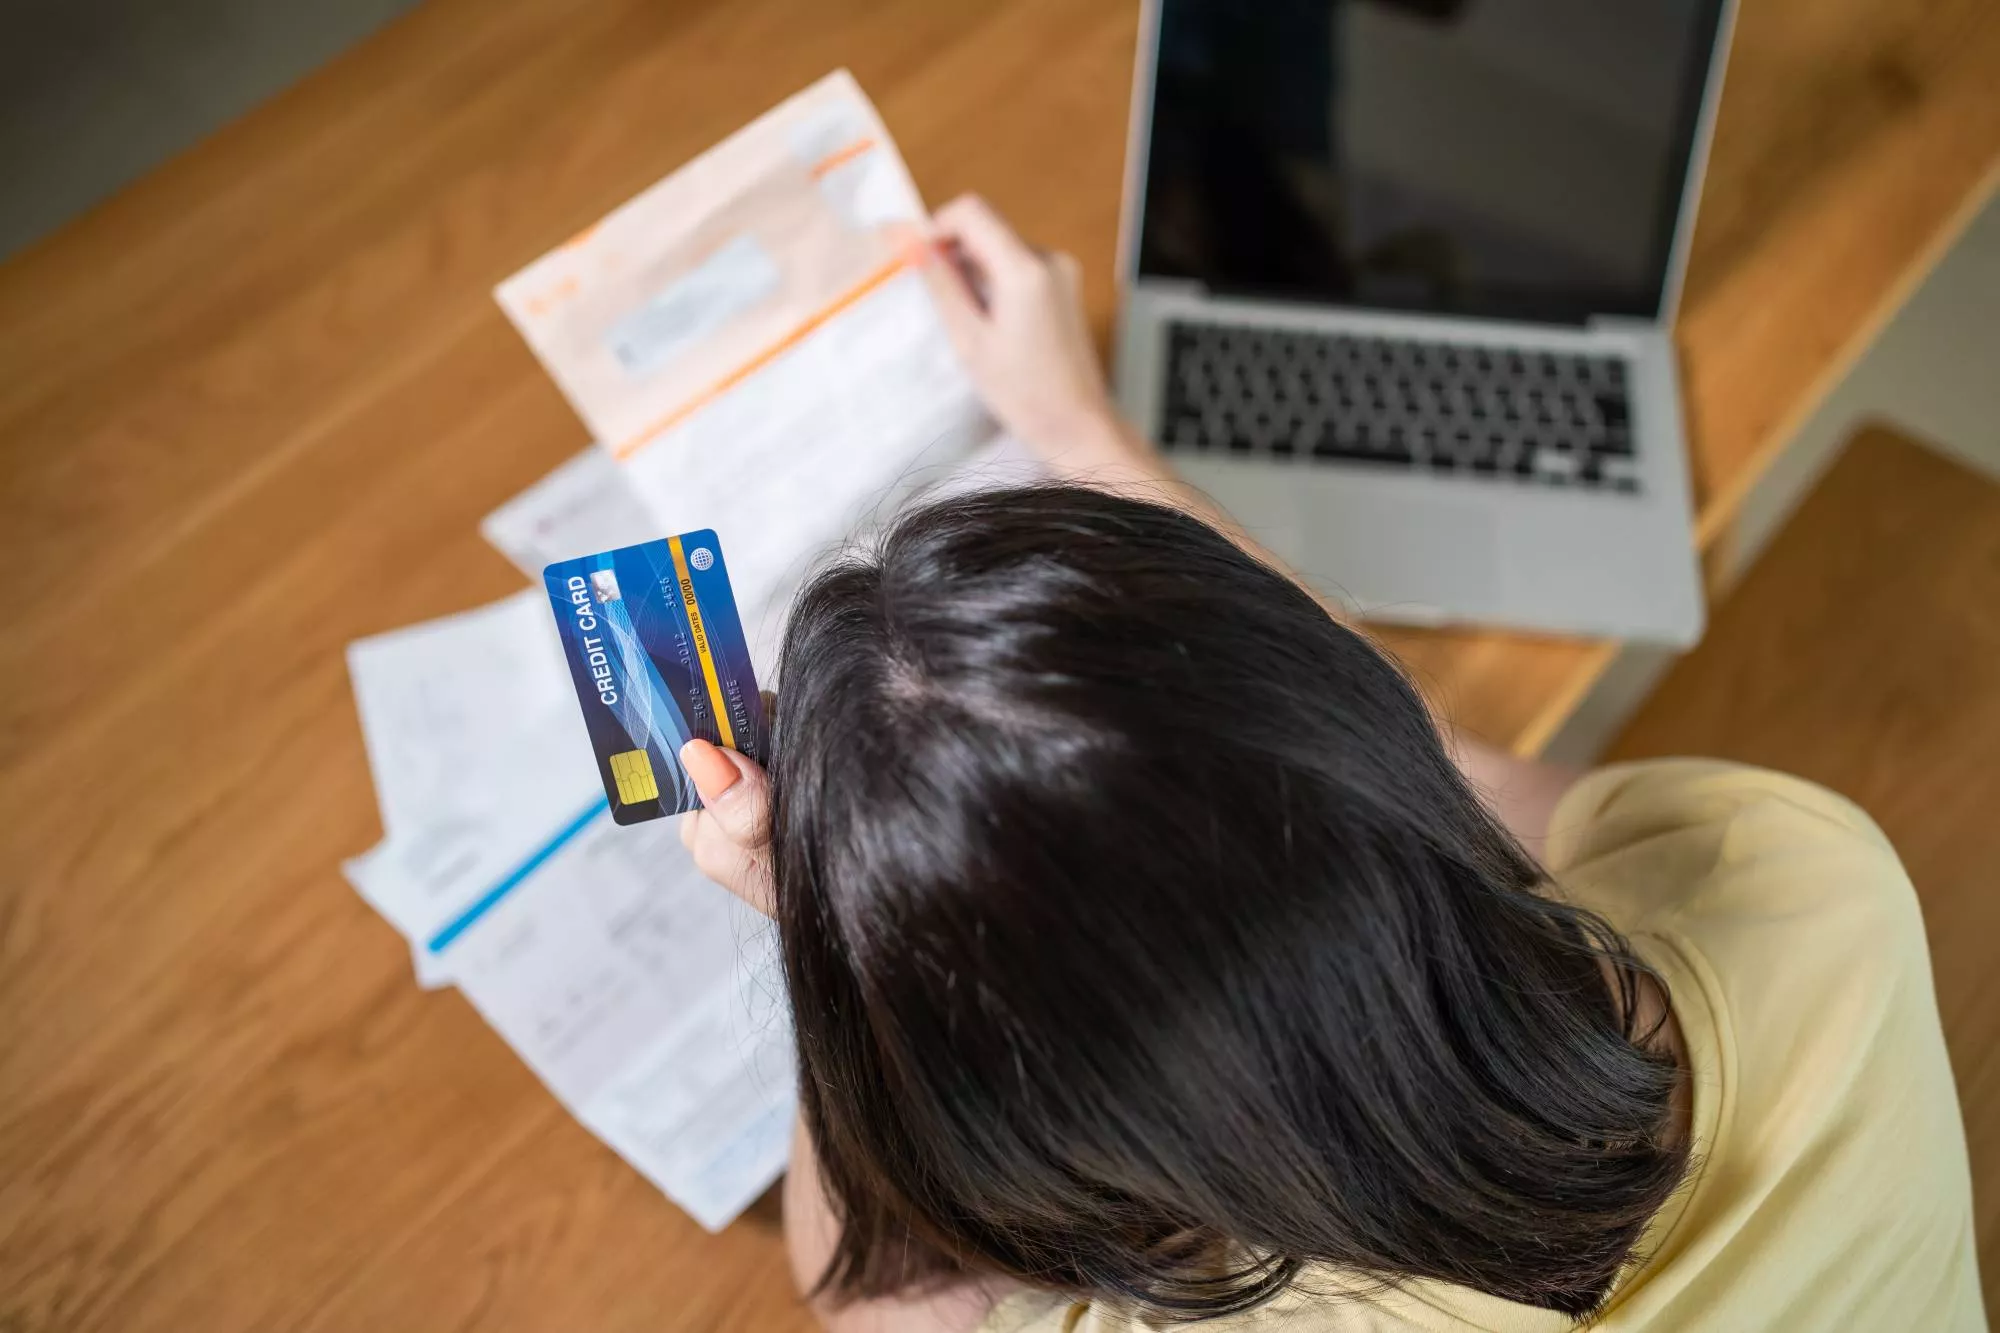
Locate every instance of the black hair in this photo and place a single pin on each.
(1144, 943)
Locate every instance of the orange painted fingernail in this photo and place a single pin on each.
(710, 769)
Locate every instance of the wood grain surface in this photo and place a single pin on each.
(1862, 651)
(254, 407)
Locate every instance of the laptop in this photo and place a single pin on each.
(1398, 281)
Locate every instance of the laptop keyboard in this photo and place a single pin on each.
(1549, 418)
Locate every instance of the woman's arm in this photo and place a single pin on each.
(812, 1230)
(1015, 316)
(730, 837)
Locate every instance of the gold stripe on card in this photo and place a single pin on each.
(700, 633)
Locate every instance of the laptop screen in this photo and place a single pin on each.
(1518, 159)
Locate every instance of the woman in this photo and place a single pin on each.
(1153, 956)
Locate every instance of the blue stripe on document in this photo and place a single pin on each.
(512, 880)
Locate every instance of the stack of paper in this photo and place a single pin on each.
(750, 340)
(645, 997)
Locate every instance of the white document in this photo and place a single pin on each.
(751, 340)
(585, 506)
(433, 881)
(648, 999)
(472, 737)
(458, 713)
(650, 1002)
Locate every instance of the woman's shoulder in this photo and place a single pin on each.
(1700, 844)
(1627, 803)
(1800, 974)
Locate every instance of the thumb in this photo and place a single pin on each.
(733, 789)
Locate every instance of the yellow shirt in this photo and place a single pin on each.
(1831, 1189)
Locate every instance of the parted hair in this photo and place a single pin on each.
(1145, 944)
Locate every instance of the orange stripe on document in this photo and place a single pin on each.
(840, 155)
(764, 358)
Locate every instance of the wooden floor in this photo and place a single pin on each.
(254, 408)
(1863, 651)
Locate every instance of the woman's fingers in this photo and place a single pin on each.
(744, 871)
(733, 789)
(1020, 333)
(983, 276)
(986, 238)
(730, 835)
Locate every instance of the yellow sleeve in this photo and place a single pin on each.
(1625, 804)
(1832, 1189)
(1748, 863)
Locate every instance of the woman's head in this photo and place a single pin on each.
(1143, 941)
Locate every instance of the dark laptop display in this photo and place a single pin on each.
(1517, 159)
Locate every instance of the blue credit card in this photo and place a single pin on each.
(656, 649)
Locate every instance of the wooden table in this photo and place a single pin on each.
(255, 406)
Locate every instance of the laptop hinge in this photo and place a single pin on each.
(1170, 286)
(1622, 324)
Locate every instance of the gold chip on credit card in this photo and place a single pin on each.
(632, 770)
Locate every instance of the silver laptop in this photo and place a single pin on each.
(1398, 283)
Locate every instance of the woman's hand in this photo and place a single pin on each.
(1015, 316)
(731, 835)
